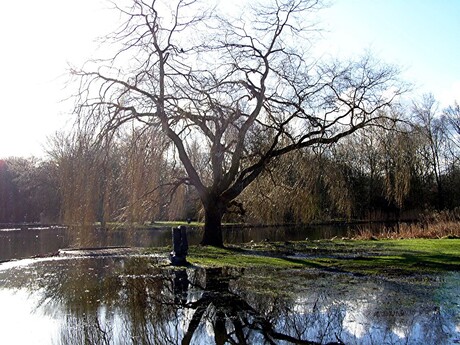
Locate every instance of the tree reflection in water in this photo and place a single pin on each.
(134, 301)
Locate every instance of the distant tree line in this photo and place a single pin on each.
(376, 174)
(135, 177)
(29, 191)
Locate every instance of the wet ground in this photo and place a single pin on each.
(125, 297)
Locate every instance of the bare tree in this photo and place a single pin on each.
(244, 87)
(142, 168)
(432, 129)
(451, 117)
(76, 178)
(299, 187)
(28, 191)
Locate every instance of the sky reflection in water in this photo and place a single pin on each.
(121, 300)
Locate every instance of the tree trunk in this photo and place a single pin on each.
(212, 235)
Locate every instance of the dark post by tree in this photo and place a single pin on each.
(246, 87)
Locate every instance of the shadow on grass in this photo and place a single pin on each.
(403, 263)
(438, 262)
(334, 257)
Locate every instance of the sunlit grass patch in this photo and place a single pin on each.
(239, 257)
(365, 257)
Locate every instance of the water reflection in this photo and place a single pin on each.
(115, 300)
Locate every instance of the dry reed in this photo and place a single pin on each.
(433, 225)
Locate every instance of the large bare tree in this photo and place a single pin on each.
(245, 86)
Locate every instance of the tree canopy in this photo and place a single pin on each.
(244, 87)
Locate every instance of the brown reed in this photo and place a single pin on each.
(443, 224)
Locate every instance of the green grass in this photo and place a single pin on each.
(384, 257)
(237, 257)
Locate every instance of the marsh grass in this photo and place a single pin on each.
(444, 224)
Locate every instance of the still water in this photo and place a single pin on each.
(17, 243)
(138, 300)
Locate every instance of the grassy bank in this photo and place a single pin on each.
(383, 257)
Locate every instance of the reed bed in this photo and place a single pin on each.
(444, 224)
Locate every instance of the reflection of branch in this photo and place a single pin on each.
(268, 330)
(105, 335)
(233, 308)
(196, 318)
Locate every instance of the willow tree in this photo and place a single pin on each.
(243, 85)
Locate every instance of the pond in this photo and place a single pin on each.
(139, 299)
(17, 242)
(78, 298)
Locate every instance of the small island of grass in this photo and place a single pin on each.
(377, 257)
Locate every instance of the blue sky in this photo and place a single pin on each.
(39, 38)
(420, 36)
